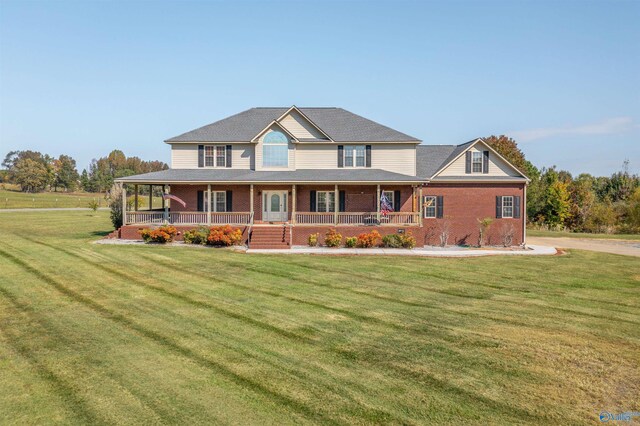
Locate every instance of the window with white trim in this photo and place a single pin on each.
(476, 162)
(354, 155)
(218, 201)
(325, 201)
(507, 206)
(430, 202)
(275, 150)
(215, 156)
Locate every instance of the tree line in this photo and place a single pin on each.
(37, 172)
(585, 203)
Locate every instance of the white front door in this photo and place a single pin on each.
(274, 206)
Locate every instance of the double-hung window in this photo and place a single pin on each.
(218, 201)
(325, 201)
(507, 206)
(354, 156)
(215, 156)
(476, 162)
(430, 206)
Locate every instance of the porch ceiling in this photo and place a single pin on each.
(228, 176)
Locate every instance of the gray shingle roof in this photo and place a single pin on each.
(251, 176)
(341, 126)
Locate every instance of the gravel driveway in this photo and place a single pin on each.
(628, 248)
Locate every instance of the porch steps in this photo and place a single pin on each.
(270, 237)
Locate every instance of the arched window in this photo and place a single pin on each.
(275, 150)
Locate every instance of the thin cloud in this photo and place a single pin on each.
(609, 126)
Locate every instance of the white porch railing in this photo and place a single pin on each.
(358, 218)
(188, 218)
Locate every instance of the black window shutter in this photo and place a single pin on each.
(340, 155)
(228, 152)
(200, 201)
(200, 155)
(342, 202)
(312, 201)
(516, 207)
(396, 201)
(485, 162)
(439, 206)
(229, 201)
(467, 163)
(368, 156)
(498, 207)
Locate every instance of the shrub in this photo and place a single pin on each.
(407, 240)
(313, 240)
(332, 238)
(196, 236)
(483, 229)
(350, 242)
(507, 232)
(93, 205)
(391, 241)
(399, 241)
(224, 236)
(163, 234)
(370, 239)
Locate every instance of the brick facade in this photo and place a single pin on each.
(464, 204)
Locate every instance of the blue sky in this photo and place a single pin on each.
(561, 77)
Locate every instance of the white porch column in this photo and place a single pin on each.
(208, 204)
(420, 204)
(336, 201)
(378, 203)
(124, 204)
(293, 203)
(251, 201)
(523, 212)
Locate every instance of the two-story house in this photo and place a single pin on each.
(281, 174)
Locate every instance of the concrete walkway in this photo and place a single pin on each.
(531, 250)
(624, 247)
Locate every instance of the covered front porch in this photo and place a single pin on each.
(292, 204)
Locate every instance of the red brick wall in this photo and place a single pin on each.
(301, 233)
(464, 204)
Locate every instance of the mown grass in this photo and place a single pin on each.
(558, 234)
(119, 334)
(12, 198)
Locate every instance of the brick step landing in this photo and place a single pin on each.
(270, 237)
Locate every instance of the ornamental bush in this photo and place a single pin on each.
(392, 241)
(350, 242)
(407, 240)
(368, 239)
(224, 236)
(163, 234)
(332, 238)
(313, 240)
(196, 236)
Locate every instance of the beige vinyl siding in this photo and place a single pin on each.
(317, 156)
(300, 127)
(185, 156)
(497, 167)
(397, 158)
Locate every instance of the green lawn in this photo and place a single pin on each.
(12, 198)
(557, 234)
(99, 334)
